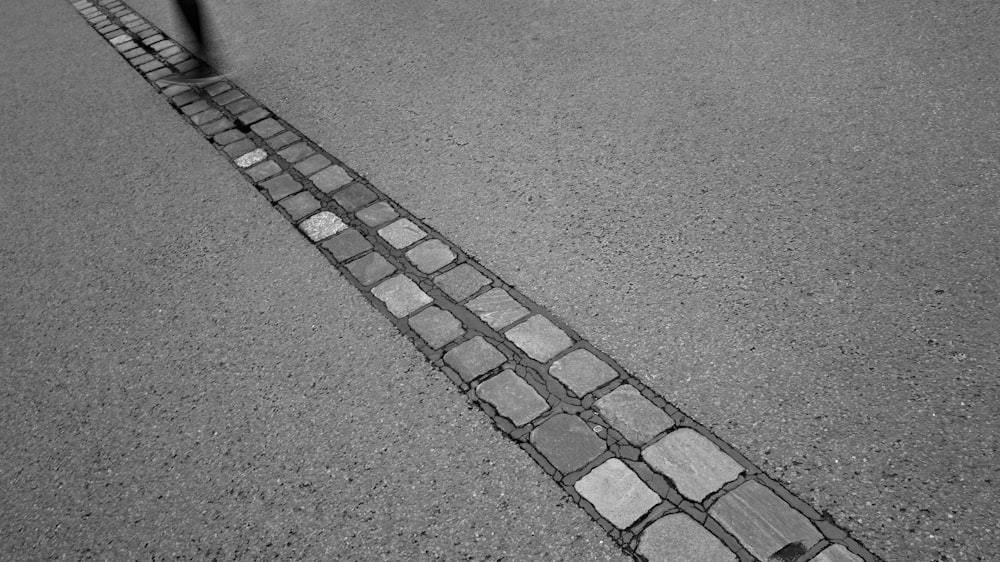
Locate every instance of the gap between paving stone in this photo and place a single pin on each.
(657, 481)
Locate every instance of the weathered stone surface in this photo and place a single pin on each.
(330, 179)
(474, 358)
(248, 159)
(371, 268)
(762, 522)
(696, 465)
(539, 338)
(437, 327)
(617, 493)
(431, 255)
(461, 282)
(567, 442)
(401, 233)
(581, 371)
(281, 186)
(400, 295)
(497, 308)
(354, 196)
(313, 164)
(263, 170)
(513, 397)
(638, 419)
(347, 244)
(322, 225)
(837, 553)
(267, 127)
(300, 205)
(678, 538)
(376, 214)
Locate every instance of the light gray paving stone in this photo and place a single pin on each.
(496, 308)
(761, 521)
(401, 233)
(474, 358)
(371, 268)
(322, 225)
(696, 465)
(837, 553)
(250, 158)
(377, 213)
(678, 538)
(330, 179)
(513, 397)
(313, 164)
(638, 419)
(401, 295)
(617, 493)
(437, 327)
(461, 282)
(431, 255)
(539, 338)
(582, 372)
(567, 442)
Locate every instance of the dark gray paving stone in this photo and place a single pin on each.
(376, 214)
(296, 152)
(617, 493)
(228, 96)
(313, 164)
(331, 179)
(539, 338)
(678, 538)
(283, 139)
(461, 282)
(354, 196)
(240, 105)
(239, 147)
(267, 128)
(196, 107)
(431, 255)
(437, 327)
(281, 186)
(567, 442)
(300, 205)
(370, 269)
(216, 127)
(513, 397)
(638, 419)
(582, 372)
(497, 308)
(253, 116)
(474, 358)
(347, 244)
(761, 521)
(228, 137)
(696, 465)
(206, 116)
(264, 170)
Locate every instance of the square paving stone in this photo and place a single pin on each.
(497, 308)
(617, 493)
(430, 256)
(401, 295)
(300, 205)
(216, 127)
(371, 268)
(240, 105)
(837, 553)
(437, 327)
(401, 233)
(513, 397)
(474, 358)
(539, 338)
(228, 96)
(267, 128)
(313, 164)
(347, 244)
(581, 371)
(283, 139)
(696, 465)
(281, 186)
(206, 116)
(239, 147)
(761, 521)
(264, 170)
(252, 116)
(567, 442)
(229, 137)
(354, 196)
(678, 538)
(296, 152)
(330, 179)
(638, 419)
(374, 215)
(322, 225)
(461, 282)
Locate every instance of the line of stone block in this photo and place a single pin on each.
(663, 486)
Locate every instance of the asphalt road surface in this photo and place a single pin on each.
(781, 216)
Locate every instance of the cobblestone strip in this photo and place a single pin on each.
(663, 486)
